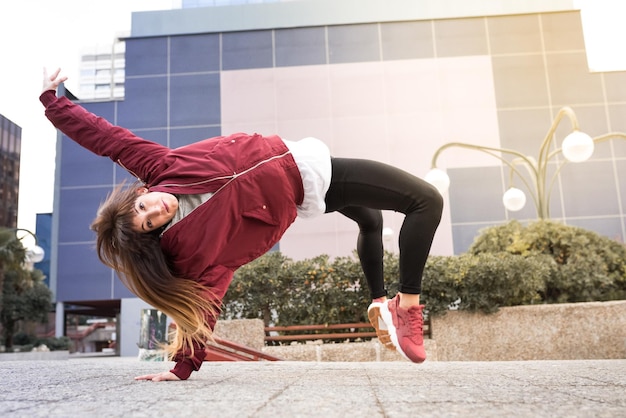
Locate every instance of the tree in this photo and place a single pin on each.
(23, 301)
(12, 256)
(23, 294)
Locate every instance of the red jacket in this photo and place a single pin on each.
(256, 186)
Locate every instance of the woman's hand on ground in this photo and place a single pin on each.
(158, 377)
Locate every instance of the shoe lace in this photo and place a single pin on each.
(415, 323)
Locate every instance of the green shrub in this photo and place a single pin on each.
(22, 338)
(325, 292)
(496, 280)
(26, 342)
(286, 292)
(258, 289)
(483, 282)
(24, 348)
(441, 283)
(588, 266)
(56, 343)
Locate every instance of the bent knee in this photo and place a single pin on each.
(369, 220)
(435, 204)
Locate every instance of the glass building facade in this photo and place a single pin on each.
(10, 150)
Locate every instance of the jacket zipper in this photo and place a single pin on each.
(130, 171)
(230, 177)
(247, 170)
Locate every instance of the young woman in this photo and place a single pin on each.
(201, 211)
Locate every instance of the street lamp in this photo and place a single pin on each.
(576, 147)
(34, 254)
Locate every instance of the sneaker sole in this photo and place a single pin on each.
(385, 315)
(373, 314)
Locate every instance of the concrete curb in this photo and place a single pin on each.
(35, 356)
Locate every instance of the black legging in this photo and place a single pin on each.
(360, 189)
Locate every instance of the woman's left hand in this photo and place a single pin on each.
(51, 82)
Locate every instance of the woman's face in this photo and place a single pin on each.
(153, 210)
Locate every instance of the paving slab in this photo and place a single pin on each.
(104, 387)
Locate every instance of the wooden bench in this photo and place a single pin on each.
(329, 332)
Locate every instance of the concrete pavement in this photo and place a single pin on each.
(104, 387)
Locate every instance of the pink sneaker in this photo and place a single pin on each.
(382, 332)
(405, 327)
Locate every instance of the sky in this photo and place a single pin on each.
(604, 29)
(41, 33)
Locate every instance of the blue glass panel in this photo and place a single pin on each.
(463, 236)
(194, 53)
(589, 189)
(80, 167)
(615, 86)
(353, 43)
(120, 291)
(407, 40)
(523, 130)
(617, 114)
(300, 46)
(78, 208)
(185, 136)
(251, 49)
(102, 109)
(155, 135)
(460, 37)
(620, 166)
(195, 100)
(146, 56)
(562, 31)
(145, 105)
(476, 194)
(520, 81)
(81, 276)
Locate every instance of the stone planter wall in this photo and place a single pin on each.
(248, 332)
(595, 330)
(365, 351)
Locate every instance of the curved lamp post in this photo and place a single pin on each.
(576, 147)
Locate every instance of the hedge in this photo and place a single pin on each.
(507, 265)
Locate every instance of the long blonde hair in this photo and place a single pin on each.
(141, 265)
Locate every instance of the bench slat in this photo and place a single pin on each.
(296, 331)
(334, 336)
(319, 327)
